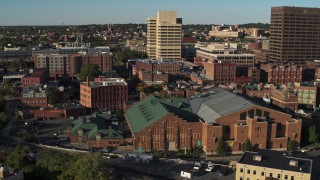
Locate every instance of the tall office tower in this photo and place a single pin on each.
(164, 36)
(294, 34)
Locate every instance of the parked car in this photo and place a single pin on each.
(210, 167)
(223, 171)
(197, 165)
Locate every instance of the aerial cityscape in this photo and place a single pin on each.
(143, 90)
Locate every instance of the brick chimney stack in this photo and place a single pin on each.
(88, 81)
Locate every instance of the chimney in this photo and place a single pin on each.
(88, 81)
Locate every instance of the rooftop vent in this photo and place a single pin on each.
(257, 158)
(293, 163)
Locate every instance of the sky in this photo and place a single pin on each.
(77, 12)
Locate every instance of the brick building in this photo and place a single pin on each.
(254, 73)
(164, 124)
(173, 124)
(34, 97)
(220, 71)
(39, 76)
(284, 97)
(104, 93)
(153, 76)
(70, 64)
(282, 74)
(95, 131)
(163, 66)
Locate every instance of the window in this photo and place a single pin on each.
(262, 173)
(278, 175)
(270, 174)
(243, 116)
(254, 172)
(227, 129)
(248, 171)
(241, 169)
(285, 176)
(292, 177)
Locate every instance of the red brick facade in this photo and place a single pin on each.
(264, 127)
(220, 71)
(171, 68)
(150, 76)
(283, 74)
(169, 133)
(40, 76)
(109, 94)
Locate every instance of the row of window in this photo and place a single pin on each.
(254, 172)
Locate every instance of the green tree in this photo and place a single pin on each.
(91, 71)
(247, 146)
(87, 167)
(123, 56)
(19, 158)
(140, 87)
(55, 161)
(313, 134)
(291, 145)
(17, 116)
(52, 94)
(119, 112)
(220, 147)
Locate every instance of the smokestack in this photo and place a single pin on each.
(88, 81)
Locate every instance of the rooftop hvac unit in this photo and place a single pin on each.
(293, 163)
(257, 158)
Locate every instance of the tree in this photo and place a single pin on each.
(291, 145)
(19, 158)
(56, 162)
(313, 134)
(91, 71)
(123, 56)
(87, 167)
(220, 147)
(119, 112)
(140, 87)
(247, 146)
(17, 116)
(52, 94)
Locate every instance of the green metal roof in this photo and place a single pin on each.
(96, 125)
(152, 109)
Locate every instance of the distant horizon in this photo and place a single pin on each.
(121, 24)
(99, 12)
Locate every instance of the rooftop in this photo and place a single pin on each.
(152, 109)
(106, 82)
(151, 61)
(217, 103)
(96, 123)
(276, 160)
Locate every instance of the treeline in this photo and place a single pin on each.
(56, 165)
(264, 26)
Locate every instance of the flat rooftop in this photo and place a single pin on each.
(106, 82)
(276, 160)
